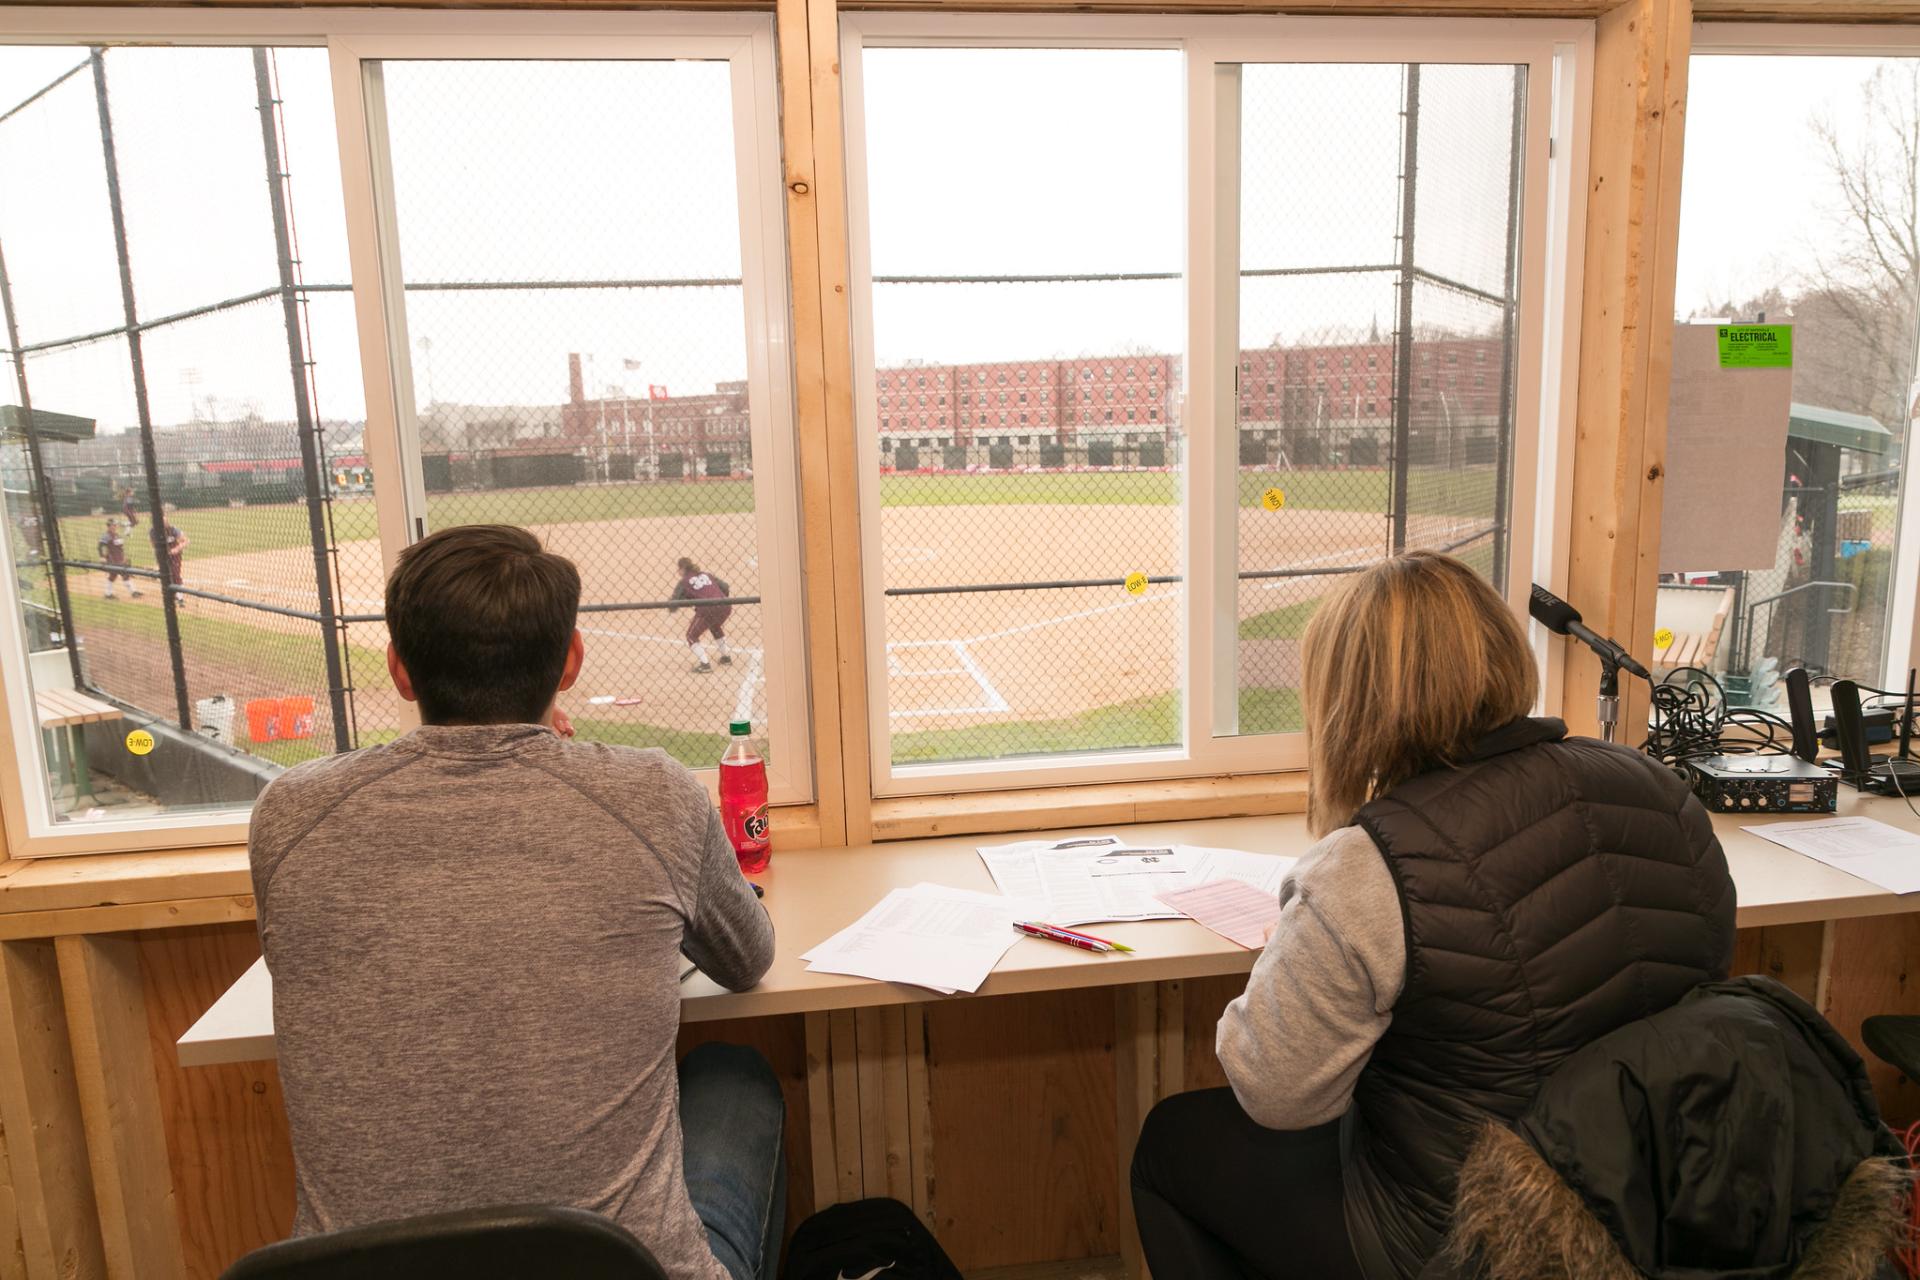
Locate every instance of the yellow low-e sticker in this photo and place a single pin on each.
(1136, 583)
(1663, 638)
(140, 742)
(1273, 499)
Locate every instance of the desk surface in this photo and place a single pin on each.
(812, 894)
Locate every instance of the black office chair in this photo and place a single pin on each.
(1895, 1038)
(502, 1242)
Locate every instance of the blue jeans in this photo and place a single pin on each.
(733, 1132)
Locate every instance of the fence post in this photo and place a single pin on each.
(157, 519)
(317, 524)
(51, 546)
(1403, 337)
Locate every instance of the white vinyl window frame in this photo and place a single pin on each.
(1902, 642)
(1558, 55)
(357, 41)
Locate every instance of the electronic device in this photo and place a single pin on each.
(1764, 784)
(1879, 725)
(1561, 618)
(1858, 768)
(1806, 738)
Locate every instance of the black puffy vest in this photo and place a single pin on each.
(1552, 889)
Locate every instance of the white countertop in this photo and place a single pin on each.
(814, 893)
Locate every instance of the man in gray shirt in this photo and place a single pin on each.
(475, 935)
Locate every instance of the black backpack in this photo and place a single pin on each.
(876, 1239)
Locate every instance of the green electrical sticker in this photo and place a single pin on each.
(1756, 346)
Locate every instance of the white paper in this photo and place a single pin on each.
(1872, 851)
(928, 936)
(1093, 879)
(1115, 883)
(1264, 871)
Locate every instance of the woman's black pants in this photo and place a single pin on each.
(1218, 1197)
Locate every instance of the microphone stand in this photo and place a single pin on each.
(1609, 702)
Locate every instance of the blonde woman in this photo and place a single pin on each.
(1487, 896)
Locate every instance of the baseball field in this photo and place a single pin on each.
(970, 674)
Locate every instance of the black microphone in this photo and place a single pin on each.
(1561, 618)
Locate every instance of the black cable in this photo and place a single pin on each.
(1691, 721)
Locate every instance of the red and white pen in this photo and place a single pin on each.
(1054, 933)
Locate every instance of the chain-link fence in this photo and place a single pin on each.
(188, 488)
(1373, 404)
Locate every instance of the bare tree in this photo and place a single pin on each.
(1864, 282)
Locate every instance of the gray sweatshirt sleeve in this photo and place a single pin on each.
(1323, 990)
(728, 932)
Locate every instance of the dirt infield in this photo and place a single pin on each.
(955, 662)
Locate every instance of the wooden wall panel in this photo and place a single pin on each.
(1022, 1096)
(50, 1175)
(1871, 970)
(1626, 332)
(226, 1125)
(113, 1065)
(1790, 953)
(1206, 1000)
(783, 1041)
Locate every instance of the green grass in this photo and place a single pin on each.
(291, 656)
(220, 531)
(1289, 622)
(1140, 722)
(1152, 721)
(1270, 711)
(223, 531)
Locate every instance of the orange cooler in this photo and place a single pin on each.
(263, 719)
(296, 717)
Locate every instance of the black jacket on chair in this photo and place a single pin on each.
(1735, 1135)
(1552, 889)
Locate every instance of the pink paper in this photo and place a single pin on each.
(1233, 909)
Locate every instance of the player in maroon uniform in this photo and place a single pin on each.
(696, 585)
(129, 508)
(177, 544)
(113, 551)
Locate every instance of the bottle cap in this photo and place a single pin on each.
(740, 728)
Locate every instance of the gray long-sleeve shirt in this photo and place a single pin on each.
(475, 936)
(1323, 989)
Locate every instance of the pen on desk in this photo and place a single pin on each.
(1054, 933)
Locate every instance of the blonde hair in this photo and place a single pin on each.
(1404, 668)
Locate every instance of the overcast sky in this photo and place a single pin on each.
(1073, 163)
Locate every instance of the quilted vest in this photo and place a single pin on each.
(1552, 889)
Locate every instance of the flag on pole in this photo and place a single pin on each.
(630, 365)
(656, 392)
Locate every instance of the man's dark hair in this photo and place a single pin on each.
(480, 615)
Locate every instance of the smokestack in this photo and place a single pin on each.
(576, 385)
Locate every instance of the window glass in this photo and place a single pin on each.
(580, 366)
(179, 502)
(1810, 223)
(1377, 219)
(1009, 626)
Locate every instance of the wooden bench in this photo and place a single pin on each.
(1696, 616)
(66, 710)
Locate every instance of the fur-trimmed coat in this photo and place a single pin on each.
(1734, 1135)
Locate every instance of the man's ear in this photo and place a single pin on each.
(401, 680)
(576, 654)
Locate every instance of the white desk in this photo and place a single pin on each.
(812, 894)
